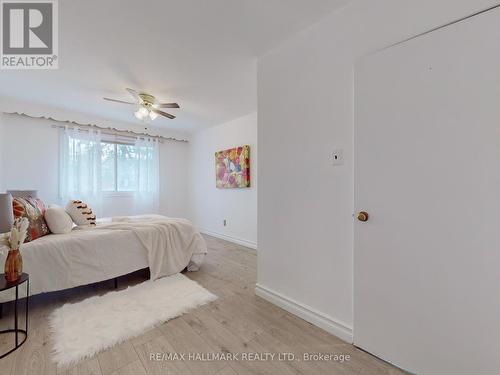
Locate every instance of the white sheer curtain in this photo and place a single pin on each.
(80, 167)
(146, 197)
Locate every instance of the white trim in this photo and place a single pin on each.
(329, 324)
(118, 194)
(239, 241)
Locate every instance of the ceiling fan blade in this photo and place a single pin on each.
(118, 101)
(168, 105)
(165, 114)
(135, 95)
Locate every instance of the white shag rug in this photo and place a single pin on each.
(83, 329)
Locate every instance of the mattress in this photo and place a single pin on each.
(62, 261)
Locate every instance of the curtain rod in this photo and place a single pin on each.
(108, 131)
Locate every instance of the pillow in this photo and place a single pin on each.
(81, 214)
(33, 209)
(58, 220)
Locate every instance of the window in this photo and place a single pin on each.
(108, 170)
(121, 165)
(91, 163)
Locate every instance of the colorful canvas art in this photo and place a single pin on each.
(233, 168)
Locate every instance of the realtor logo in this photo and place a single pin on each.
(29, 34)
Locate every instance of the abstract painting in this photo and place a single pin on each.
(233, 168)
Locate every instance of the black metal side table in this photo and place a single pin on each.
(4, 285)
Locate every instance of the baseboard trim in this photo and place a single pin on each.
(329, 324)
(239, 241)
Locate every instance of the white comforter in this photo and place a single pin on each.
(113, 248)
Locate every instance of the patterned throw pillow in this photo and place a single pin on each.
(81, 214)
(34, 210)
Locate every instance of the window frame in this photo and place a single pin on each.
(116, 192)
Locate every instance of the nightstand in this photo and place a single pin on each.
(4, 285)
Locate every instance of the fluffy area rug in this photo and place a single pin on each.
(83, 329)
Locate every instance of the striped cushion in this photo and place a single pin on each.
(81, 213)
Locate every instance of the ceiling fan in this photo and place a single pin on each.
(148, 106)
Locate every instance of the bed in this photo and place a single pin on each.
(113, 248)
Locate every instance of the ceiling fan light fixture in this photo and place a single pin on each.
(147, 106)
(141, 113)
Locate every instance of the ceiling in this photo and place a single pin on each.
(199, 53)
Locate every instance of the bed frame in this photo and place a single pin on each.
(115, 283)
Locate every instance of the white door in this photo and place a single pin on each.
(427, 171)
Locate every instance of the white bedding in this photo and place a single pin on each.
(115, 247)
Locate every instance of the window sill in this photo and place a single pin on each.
(118, 194)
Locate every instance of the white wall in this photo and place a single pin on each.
(29, 154)
(305, 101)
(174, 167)
(209, 206)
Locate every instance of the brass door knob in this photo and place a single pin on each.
(363, 216)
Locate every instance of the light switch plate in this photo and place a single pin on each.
(338, 157)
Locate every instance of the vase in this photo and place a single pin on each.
(13, 266)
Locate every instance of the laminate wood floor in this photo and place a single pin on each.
(238, 322)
